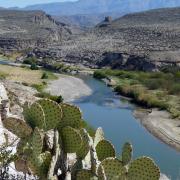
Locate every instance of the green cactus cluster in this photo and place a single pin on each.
(95, 156)
(109, 167)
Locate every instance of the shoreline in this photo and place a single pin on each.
(69, 87)
(161, 125)
(158, 123)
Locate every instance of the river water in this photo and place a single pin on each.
(115, 115)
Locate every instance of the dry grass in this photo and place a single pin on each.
(23, 75)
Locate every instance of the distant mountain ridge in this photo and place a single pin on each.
(102, 6)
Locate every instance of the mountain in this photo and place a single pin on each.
(88, 13)
(26, 29)
(147, 41)
(86, 20)
(102, 6)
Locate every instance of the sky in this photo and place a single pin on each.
(23, 3)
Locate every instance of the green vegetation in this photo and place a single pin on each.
(58, 99)
(58, 66)
(149, 89)
(44, 75)
(39, 87)
(2, 75)
(51, 131)
(34, 67)
(30, 60)
(49, 75)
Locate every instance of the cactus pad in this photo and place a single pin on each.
(84, 175)
(46, 161)
(127, 153)
(17, 127)
(99, 135)
(83, 151)
(36, 116)
(37, 142)
(105, 149)
(71, 116)
(71, 139)
(143, 168)
(32, 165)
(112, 168)
(101, 173)
(53, 113)
(27, 115)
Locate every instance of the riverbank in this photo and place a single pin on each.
(69, 87)
(160, 124)
(161, 116)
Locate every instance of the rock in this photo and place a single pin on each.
(164, 177)
(28, 29)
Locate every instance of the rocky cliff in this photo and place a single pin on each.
(144, 41)
(21, 30)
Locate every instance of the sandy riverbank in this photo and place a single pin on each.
(161, 125)
(69, 87)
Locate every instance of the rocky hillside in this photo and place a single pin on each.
(21, 29)
(154, 35)
(145, 41)
(90, 12)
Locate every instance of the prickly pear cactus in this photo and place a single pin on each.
(17, 127)
(111, 168)
(127, 153)
(53, 113)
(85, 147)
(37, 142)
(34, 115)
(84, 175)
(71, 140)
(96, 155)
(105, 149)
(72, 116)
(143, 168)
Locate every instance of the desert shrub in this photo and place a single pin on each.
(175, 89)
(2, 75)
(34, 67)
(99, 75)
(30, 60)
(58, 99)
(44, 75)
(38, 87)
(153, 84)
(177, 75)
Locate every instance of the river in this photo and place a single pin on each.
(115, 115)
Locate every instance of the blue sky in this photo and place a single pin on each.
(23, 3)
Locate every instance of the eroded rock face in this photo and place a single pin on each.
(28, 29)
(142, 41)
